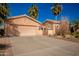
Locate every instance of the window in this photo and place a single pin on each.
(40, 27)
(49, 27)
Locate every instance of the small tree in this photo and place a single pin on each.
(76, 28)
(64, 27)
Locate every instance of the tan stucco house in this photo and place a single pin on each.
(51, 27)
(22, 25)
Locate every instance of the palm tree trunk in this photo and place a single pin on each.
(55, 27)
(56, 17)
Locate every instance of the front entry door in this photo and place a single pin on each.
(45, 31)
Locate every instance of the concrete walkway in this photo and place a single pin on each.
(43, 46)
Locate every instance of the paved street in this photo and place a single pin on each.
(43, 46)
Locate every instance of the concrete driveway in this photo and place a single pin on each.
(43, 46)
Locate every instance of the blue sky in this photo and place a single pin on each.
(70, 10)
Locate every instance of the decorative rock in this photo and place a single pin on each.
(67, 36)
(60, 37)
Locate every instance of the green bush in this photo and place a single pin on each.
(2, 46)
(76, 34)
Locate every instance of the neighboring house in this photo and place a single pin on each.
(51, 27)
(22, 25)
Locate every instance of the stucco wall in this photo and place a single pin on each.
(25, 21)
(23, 27)
(53, 29)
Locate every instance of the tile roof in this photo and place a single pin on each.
(52, 21)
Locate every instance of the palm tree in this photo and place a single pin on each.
(56, 9)
(3, 10)
(3, 14)
(33, 11)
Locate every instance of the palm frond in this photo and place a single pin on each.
(33, 11)
(56, 9)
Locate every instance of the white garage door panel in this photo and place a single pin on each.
(27, 31)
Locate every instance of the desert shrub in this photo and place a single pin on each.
(76, 34)
(2, 46)
(2, 32)
(64, 27)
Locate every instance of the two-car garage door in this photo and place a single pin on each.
(27, 30)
